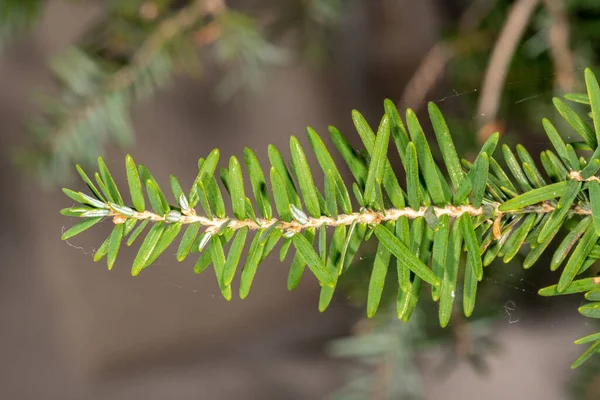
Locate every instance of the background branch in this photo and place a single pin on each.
(433, 65)
(495, 75)
(126, 76)
(558, 36)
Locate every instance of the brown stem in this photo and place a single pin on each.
(432, 67)
(558, 36)
(495, 75)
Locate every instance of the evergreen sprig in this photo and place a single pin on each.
(424, 227)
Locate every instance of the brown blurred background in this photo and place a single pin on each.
(69, 329)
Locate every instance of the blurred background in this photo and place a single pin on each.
(168, 81)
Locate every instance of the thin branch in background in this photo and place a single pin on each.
(495, 75)
(558, 36)
(208, 34)
(94, 104)
(434, 63)
(475, 14)
(127, 75)
(427, 75)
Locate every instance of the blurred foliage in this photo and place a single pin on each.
(311, 24)
(243, 49)
(402, 348)
(136, 48)
(532, 74)
(16, 16)
(386, 348)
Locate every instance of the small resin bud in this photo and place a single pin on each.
(173, 216)
(289, 234)
(298, 215)
(488, 210)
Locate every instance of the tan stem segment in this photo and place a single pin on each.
(370, 217)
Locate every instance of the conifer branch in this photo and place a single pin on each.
(424, 226)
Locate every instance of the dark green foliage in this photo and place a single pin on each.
(485, 217)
